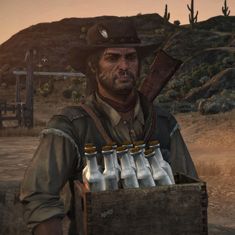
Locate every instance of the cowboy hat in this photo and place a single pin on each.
(108, 34)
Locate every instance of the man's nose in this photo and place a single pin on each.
(123, 63)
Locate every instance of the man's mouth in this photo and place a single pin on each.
(124, 78)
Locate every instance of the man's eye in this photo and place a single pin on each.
(112, 58)
(132, 57)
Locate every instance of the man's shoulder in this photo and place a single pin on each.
(161, 112)
(72, 112)
(164, 116)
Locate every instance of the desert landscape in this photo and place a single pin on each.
(201, 96)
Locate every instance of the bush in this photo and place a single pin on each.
(177, 22)
(46, 89)
(172, 94)
(67, 94)
(213, 69)
(76, 96)
(83, 29)
(228, 61)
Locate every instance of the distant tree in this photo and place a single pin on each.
(192, 17)
(225, 8)
(166, 14)
(177, 22)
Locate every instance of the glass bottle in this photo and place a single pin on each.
(115, 160)
(144, 175)
(93, 178)
(140, 144)
(128, 175)
(165, 165)
(159, 174)
(129, 145)
(109, 173)
(87, 146)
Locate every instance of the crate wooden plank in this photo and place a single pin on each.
(177, 209)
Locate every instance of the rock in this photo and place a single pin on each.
(216, 104)
(211, 108)
(184, 107)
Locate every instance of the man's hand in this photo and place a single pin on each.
(49, 227)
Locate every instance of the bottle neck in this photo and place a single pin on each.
(92, 163)
(154, 161)
(139, 160)
(108, 161)
(125, 161)
(158, 153)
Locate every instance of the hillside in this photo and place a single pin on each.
(206, 52)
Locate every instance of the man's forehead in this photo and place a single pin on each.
(117, 50)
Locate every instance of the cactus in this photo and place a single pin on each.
(166, 14)
(192, 18)
(225, 10)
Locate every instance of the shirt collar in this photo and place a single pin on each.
(114, 116)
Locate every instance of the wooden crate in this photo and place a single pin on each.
(179, 209)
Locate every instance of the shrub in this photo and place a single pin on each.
(177, 22)
(67, 94)
(213, 69)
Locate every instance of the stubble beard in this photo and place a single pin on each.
(113, 85)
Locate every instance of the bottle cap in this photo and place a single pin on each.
(154, 143)
(107, 148)
(140, 142)
(149, 152)
(90, 150)
(113, 144)
(135, 150)
(88, 145)
(121, 149)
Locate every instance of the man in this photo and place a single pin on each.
(114, 111)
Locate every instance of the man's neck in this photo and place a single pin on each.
(120, 98)
(122, 103)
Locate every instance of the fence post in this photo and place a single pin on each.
(1, 125)
(28, 112)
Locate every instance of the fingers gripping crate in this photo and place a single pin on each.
(179, 209)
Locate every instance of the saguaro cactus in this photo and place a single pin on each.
(166, 14)
(192, 18)
(225, 10)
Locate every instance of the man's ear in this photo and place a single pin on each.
(92, 67)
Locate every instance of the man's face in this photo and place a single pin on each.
(118, 70)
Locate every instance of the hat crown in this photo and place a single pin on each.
(112, 32)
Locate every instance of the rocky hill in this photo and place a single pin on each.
(204, 82)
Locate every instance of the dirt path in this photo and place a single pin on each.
(210, 140)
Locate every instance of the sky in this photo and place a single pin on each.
(16, 15)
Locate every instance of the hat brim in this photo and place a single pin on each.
(78, 55)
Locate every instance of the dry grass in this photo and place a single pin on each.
(13, 130)
(21, 131)
(208, 169)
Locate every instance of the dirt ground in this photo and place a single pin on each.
(210, 140)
